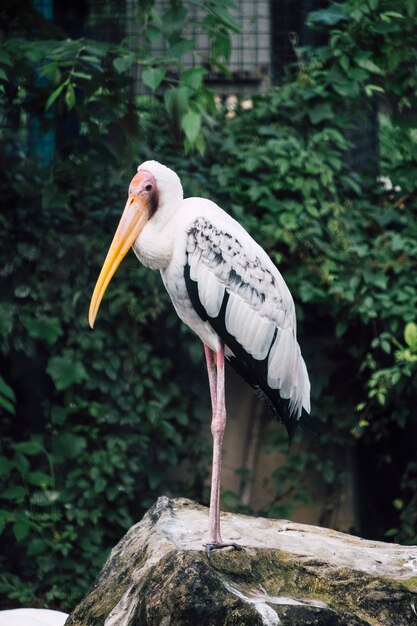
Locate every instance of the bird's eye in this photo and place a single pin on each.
(148, 187)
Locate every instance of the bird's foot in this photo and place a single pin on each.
(218, 545)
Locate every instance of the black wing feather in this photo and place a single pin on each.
(213, 252)
(253, 371)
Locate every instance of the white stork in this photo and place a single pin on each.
(226, 289)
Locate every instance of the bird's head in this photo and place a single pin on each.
(151, 190)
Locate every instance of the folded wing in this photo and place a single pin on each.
(234, 286)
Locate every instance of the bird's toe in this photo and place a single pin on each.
(210, 547)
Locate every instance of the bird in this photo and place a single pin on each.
(32, 617)
(225, 287)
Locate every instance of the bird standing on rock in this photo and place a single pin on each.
(226, 289)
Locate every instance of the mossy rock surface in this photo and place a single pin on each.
(287, 574)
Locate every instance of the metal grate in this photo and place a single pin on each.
(250, 62)
(251, 47)
(260, 51)
(288, 18)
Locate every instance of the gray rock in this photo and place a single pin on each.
(287, 574)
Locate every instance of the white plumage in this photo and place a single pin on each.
(259, 312)
(225, 288)
(32, 617)
(224, 259)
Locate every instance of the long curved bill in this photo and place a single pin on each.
(134, 217)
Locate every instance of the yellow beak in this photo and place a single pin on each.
(134, 218)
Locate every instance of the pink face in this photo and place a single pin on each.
(143, 184)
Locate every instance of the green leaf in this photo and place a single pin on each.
(369, 66)
(45, 328)
(7, 391)
(330, 16)
(358, 74)
(51, 72)
(123, 63)
(193, 78)
(22, 464)
(28, 251)
(320, 112)
(200, 144)
(153, 77)
(380, 280)
(221, 15)
(4, 518)
(371, 89)
(21, 529)
(6, 319)
(14, 492)
(221, 47)
(156, 18)
(191, 125)
(153, 34)
(3, 75)
(252, 163)
(5, 466)
(55, 94)
(181, 47)
(39, 479)
(33, 446)
(394, 14)
(341, 327)
(7, 405)
(386, 346)
(410, 335)
(58, 414)
(289, 220)
(174, 20)
(176, 101)
(100, 49)
(68, 445)
(81, 75)
(5, 57)
(70, 97)
(65, 372)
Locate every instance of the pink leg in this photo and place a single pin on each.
(215, 369)
(211, 370)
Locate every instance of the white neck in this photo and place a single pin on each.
(155, 244)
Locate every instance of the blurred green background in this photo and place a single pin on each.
(96, 425)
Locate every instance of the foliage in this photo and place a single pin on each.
(366, 43)
(88, 407)
(98, 76)
(186, 98)
(81, 411)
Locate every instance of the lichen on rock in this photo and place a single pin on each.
(287, 574)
